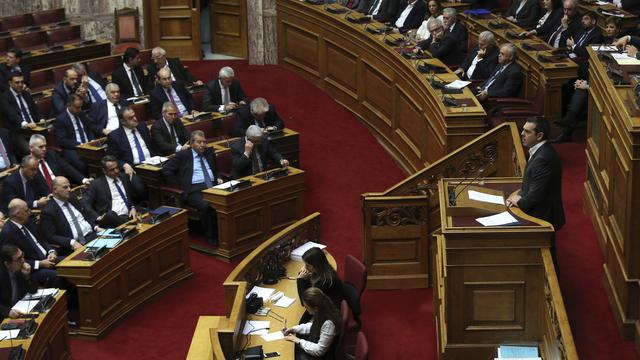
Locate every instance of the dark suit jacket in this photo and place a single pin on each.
(485, 67)
(213, 98)
(507, 84)
(528, 15)
(161, 137)
(244, 119)
(446, 50)
(120, 77)
(177, 70)
(11, 109)
(159, 97)
(66, 135)
(60, 97)
(96, 200)
(54, 226)
(388, 9)
(60, 167)
(11, 234)
(100, 114)
(460, 35)
(241, 165)
(23, 284)
(5, 71)
(541, 187)
(118, 145)
(549, 26)
(414, 20)
(179, 170)
(5, 137)
(12, 188)
(593, 37)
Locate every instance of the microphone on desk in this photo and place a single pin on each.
(449, 101)
(453, 193)
(436, 84)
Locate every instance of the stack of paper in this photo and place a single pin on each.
(284, 302)
(155, 160)
(264, 293)
(501, 219)
(40, 293)
(480, 196)
(253, 327)
(518, 352)
(457, 84)
(25, 306)
(9, 334)
(227, 185)
(296, 254)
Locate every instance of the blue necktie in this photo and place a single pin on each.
(33, 242)
(207, 178)
(94, 94)
(138, 146)
(493, 78)
(80, 129)
(25, 114)
(122, 195)
(28, 194)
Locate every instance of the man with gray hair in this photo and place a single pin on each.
(93, 81)
(168, 134)
(105, 114)
(50, 164)
(455, 29)
(441, 46)
(159, 60)
(23, 184)
(224, 94)
(482, 60)
(259, 113)
(252, 154)
(506, 79)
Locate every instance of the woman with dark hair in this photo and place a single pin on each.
(612, 27)
(317, 272)
(551, 9)
(434, 11)
(319, 334)
(525, 13)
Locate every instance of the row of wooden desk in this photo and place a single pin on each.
(39, 59)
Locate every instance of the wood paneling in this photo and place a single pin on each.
(229, 27)
(175, 26)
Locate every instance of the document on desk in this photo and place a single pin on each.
(488, 198)
(255, 327)
(297, 253)
(155, 160)
(9, 334)
(273, 336)
(264, 293)
(284, 302)
(40, 293)
(107, 241)
(457, 84)
(501, 219)
(625, 59)
(227, 185)
(25, 306)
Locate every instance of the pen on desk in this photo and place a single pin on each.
(284, 330)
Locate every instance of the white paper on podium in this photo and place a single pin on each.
(9, 334)
(284, 302)
(457, 84)
(262, 292)
(253, 327)
(277, 335)
(488, 198)
(503, 218)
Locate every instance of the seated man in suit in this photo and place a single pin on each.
(24, 185)
(64, 221)
(481, 62)
(50, 164)
(193, 170)
(178, 72)
(224, 93)
(455, 29)
(506, 79)
(541, 192)
(380, 10)
(8, 158)
(172, 91)
(558, 29)
(19, 110)
(72, 129)
(93, 82)
(259, 113)
(130, 76)
(15, 280)
(577, 46)
(108, 200)
(105, 114)
(409, 15)
(21, 232)
(69, 85)
(251, 154)
(440, 46)
(168, 134)
(12, 65)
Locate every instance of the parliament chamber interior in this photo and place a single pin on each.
(320, 179)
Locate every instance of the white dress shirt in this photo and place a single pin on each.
(74, 121)
(36, 263)
(403, 17)
(24, 102)
(85, 227)
(535, 148)
(118, 204)
(472, 67)
(327, 334)
(112, 115)
(129, 71)
(132, 144)
(225, 96)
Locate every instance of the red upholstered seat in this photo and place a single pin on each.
(30, 41)
(48, 16)
(64, 35)
(14, 22)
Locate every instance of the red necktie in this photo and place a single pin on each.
(45, 172)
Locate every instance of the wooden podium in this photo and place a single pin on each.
(134, 271)
(51, 339)
(494, 285)
(247, 217)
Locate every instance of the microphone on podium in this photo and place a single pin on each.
(453, 193)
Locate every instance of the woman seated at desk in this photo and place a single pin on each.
(320, 333)
(317, 272)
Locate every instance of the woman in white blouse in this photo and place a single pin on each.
(434, 12)
(320, 333)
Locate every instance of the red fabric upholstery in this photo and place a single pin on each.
(14, 22)
(47, 16)
(64, 35)
(355, 273)
(31, 41)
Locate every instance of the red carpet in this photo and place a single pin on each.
(342, 160)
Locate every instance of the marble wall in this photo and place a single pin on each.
(96, 16)
(263, 32)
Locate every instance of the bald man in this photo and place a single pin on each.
(174, 92)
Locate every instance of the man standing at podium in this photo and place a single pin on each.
(541, 192)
